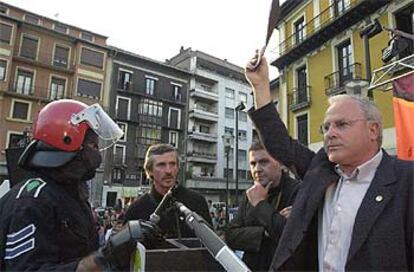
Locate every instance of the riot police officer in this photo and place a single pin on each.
(46, 221)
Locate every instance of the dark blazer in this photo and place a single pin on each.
(382, 237)
(247, 230)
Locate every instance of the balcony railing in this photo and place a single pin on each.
(321, 28)
(335, 82)
(48, 60)
(299, 98)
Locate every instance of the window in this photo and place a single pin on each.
(61, 28)
(242, 116)
(243, 98)
(242, 157)
(3, 68)
(302, 128)
(5, 33)
(150, 86)
(339, 7)
(204, 129)
(20, 110)
(31, 19)
(3, 10)
(150, 107)
(228, 172)
(302, 85)
(173, 139)
(229, 113)
(174, 118)
(92, 58)
(125, 80)
(124, 128)
(299, 30)
(24, 82)
(345, 61)
(89, 88)
(15, 139)
(229, 131)
(176, 92)
(405, 22)
(119, 154)
(242, 174)
(242, 135)
(86, 36)
(61, 56)
(148, 134)
(57, 88)
(117, 174)
(29, 47)
(229, 93)
(123, 108)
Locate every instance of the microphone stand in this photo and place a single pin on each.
(217, 248)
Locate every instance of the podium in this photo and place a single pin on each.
(187, 254)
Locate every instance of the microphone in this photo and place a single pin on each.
(217, 248)
(165, 202)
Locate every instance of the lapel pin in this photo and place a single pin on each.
(379, 198)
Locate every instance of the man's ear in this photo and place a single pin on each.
(374, 130)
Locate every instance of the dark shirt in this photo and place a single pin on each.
(45, 226)
(144, 206)
(256, 230)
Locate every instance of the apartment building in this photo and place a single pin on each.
(149, 102)
(41, 60)
(321, 53)
(216, 89)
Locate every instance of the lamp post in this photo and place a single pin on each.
(228, 142)
(239, 107)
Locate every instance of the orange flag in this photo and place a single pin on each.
(403, 101)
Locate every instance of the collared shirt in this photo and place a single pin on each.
(342, 201)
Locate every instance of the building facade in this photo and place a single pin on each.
(42, 60)
(216, 88)
(149, 102)
(321, 53)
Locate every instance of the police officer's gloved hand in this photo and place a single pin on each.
(116, 254)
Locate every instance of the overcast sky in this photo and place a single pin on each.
(227, 29)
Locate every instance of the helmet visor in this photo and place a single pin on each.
(100, 122)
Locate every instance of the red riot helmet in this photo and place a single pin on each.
(60, 129)
(54, 127)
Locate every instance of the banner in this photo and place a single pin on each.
(403, 102)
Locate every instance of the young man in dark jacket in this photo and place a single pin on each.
(263, 211)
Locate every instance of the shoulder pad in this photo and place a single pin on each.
(31, 188)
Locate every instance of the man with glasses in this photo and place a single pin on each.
(355, 209)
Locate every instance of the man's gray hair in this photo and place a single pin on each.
(158, 149)
(368, 107)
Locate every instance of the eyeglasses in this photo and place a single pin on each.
(340, 125)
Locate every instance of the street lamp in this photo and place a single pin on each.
(239, 107)
(228, 142)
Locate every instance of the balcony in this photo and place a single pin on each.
(335, 82)
(299, 98)
(204, 94)
(202, 156)
(203, 113)
(201, 136)
(46, 60)
(324, 27)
